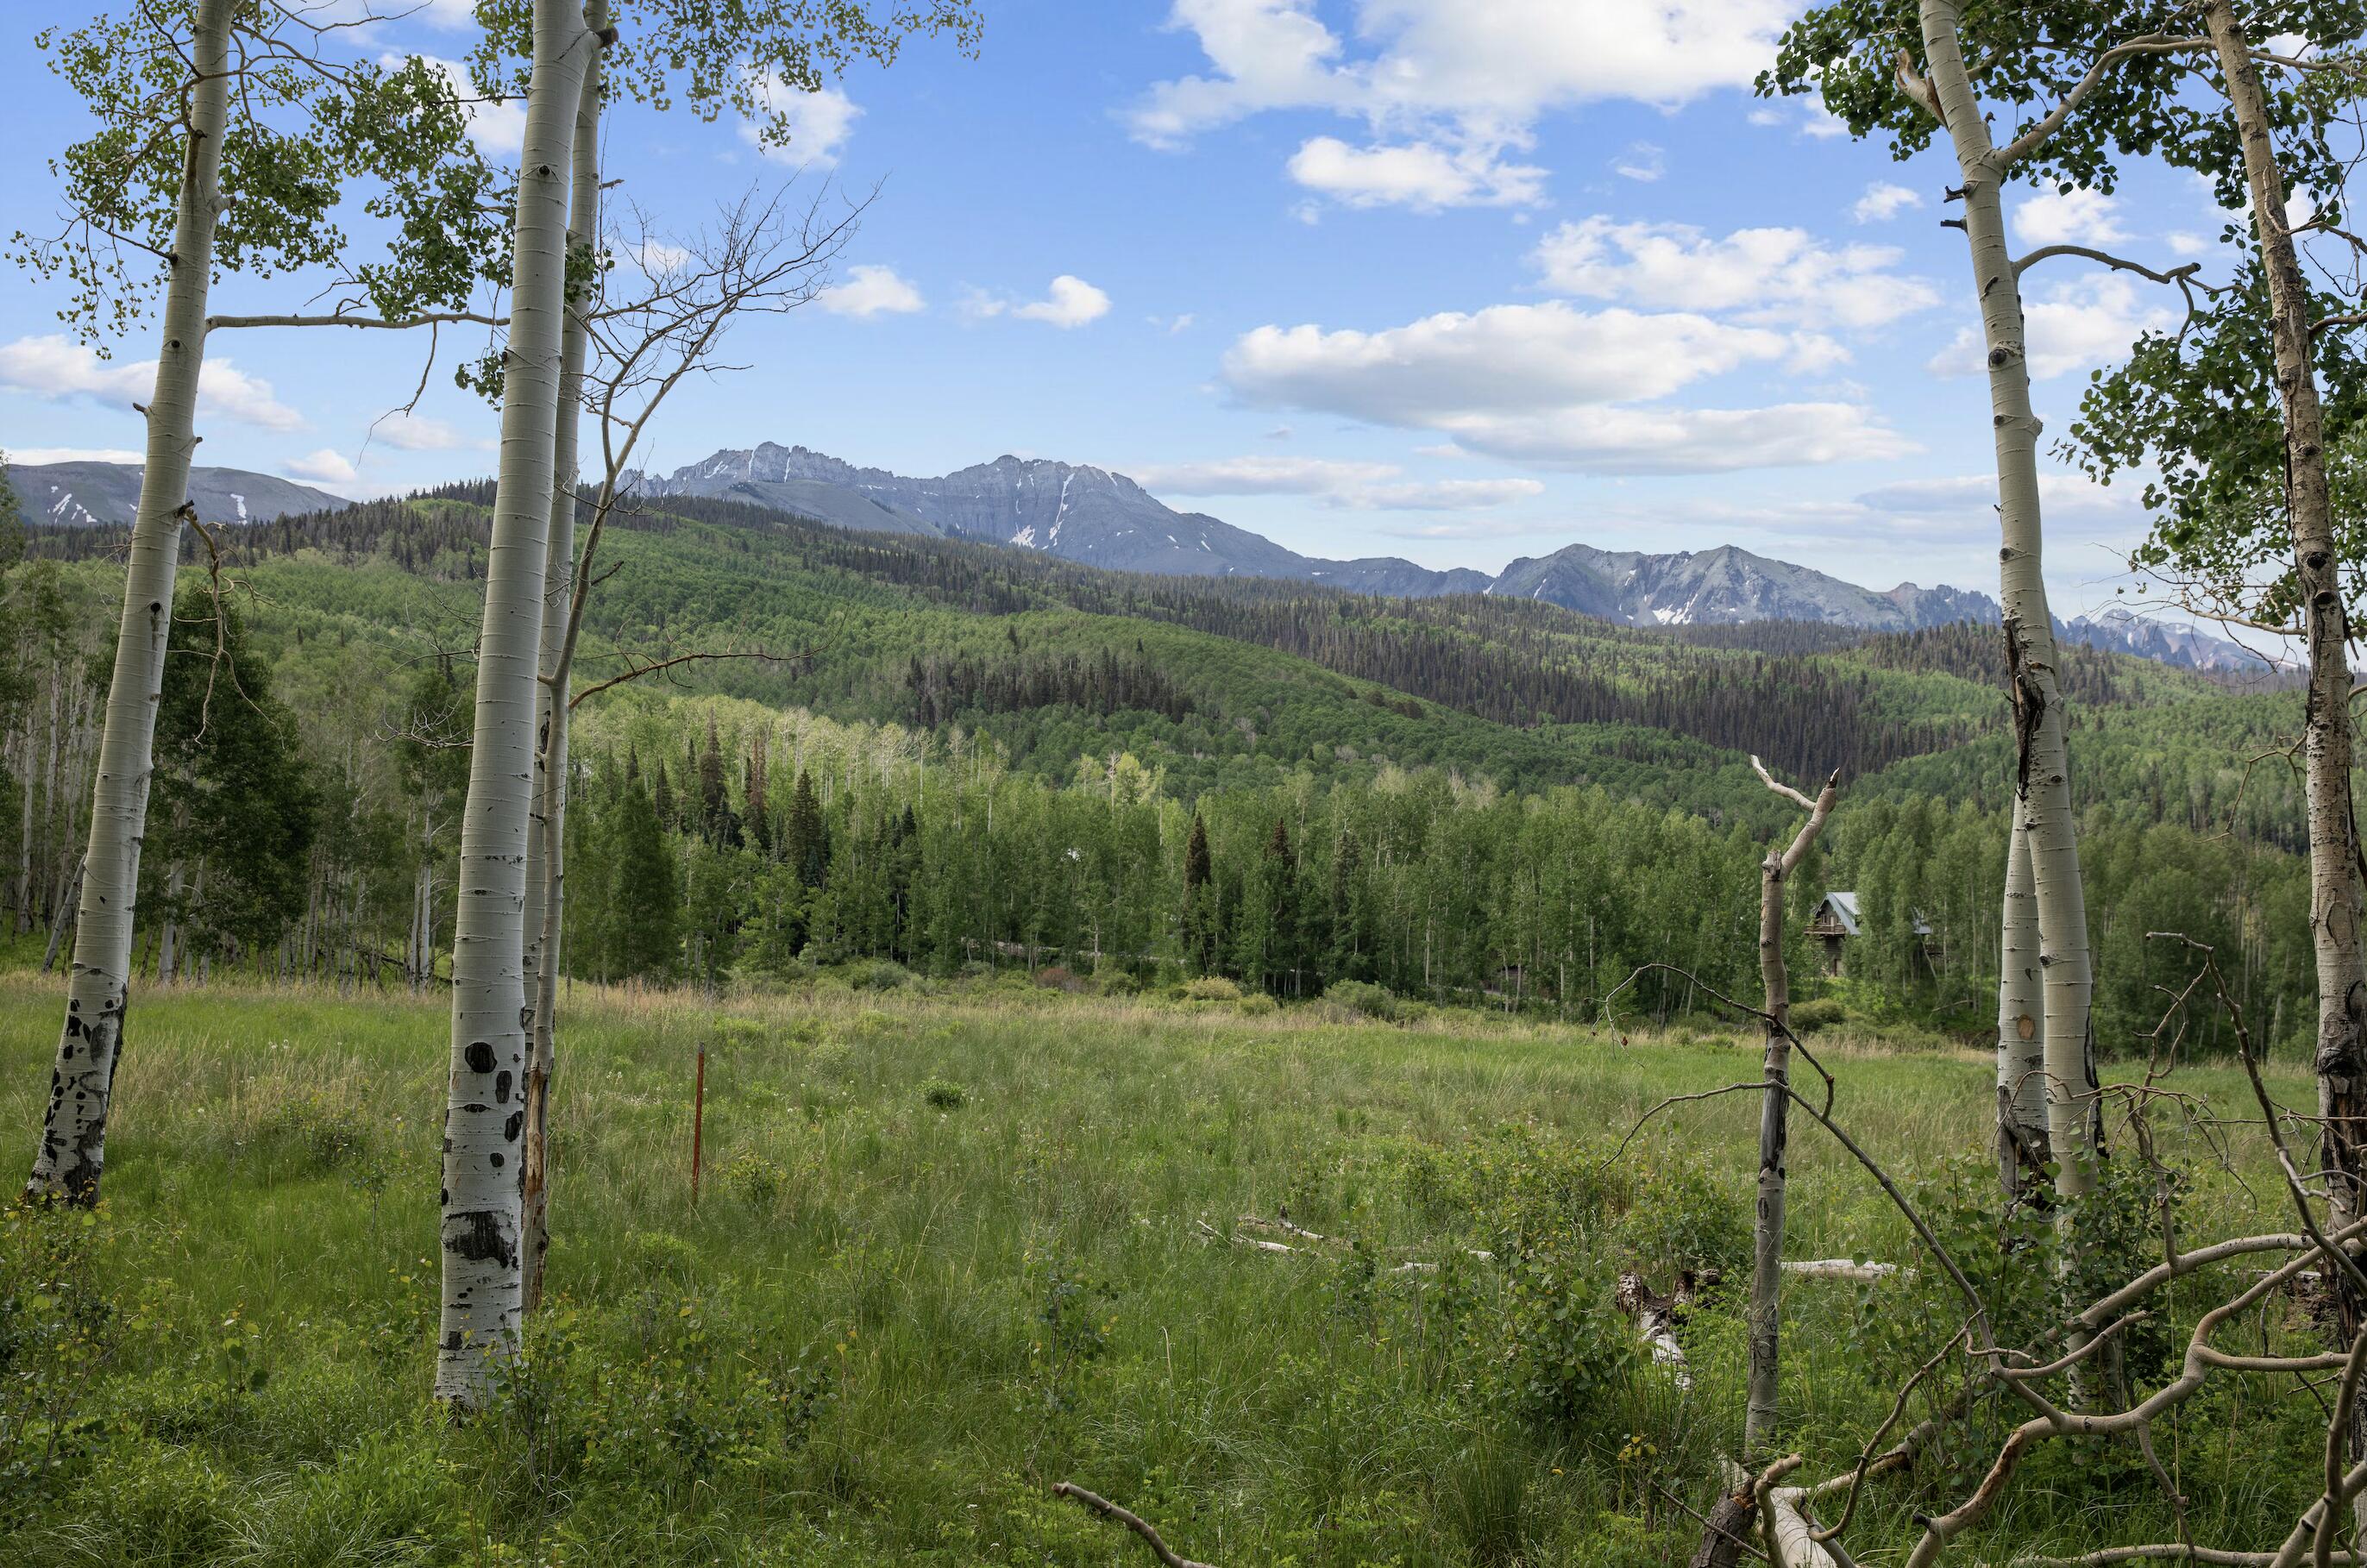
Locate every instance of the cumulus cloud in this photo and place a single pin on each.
(1775, 276)
(1506, 356)
(1355, 486)
(326, 467)
(1447, 74)
(1504, 63)
(1884, 201)
(1668, 440)
(417, 433)
(871, 290)
(2075, 217)
(1555, 386)
(55, 367)
(1069, 302)
(1422, 175)
(818, 125)
(2074, 325)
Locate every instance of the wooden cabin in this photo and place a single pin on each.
(1837, 918)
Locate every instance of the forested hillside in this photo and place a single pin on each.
(936, 753)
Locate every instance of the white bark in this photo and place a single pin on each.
(2021, 1032)
(484, 1118)
(2334, 904)
(2043, 784)
(563, 612)
(73, 1132)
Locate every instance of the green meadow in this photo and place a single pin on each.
(956, 1244)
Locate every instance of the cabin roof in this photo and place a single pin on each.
(1842, 906)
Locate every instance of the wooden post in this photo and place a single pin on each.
(698, 1122)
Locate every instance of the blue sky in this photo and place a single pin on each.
(1461, 280)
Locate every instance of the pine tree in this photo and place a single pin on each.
(714, 803)
(645, 899)
(1199, 899)
(805, 839)
(756, 808)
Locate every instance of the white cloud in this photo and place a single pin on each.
(2079, 323)
(1171, 325)
(1508, 356)
(1641, 161)
(497, 127)
(2184, 244)
(1259, 476)
(656, 257)
(1422, 175)
(870, 290)
(1445, 495)
(417, 433)
(1975, 496)
(1450, 74)
(2077, 217)
(1629, 440)
(1362, 487)
(818, 124)
(29, 456)
(326, 467)
(56, 366)
(1505, 61)
(1069, 302)
(1555, 386)
(1773, 276)
(1884, 201)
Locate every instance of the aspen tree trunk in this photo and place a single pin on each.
(2022, 1035)
(484, 1118)
(73, 1129)
(2335, 897)
(562, 612)
(1774, 1104)
(2043, 777)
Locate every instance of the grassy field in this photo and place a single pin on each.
(953, 1249)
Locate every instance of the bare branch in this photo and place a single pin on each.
(1135, 1522)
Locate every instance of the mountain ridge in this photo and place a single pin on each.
(1098, 517)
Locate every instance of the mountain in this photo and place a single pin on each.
(2165, 642)
(1096, 517)
(1725, 586)
(92, 494)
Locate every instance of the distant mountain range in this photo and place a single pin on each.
(96, 494)
(1098, 518)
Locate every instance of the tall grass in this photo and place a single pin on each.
(950, 1249)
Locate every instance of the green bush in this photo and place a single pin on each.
(1258, 1005)
(1363, 1000)
(1814, 1017)
(944, 1094)
(1212, 988)
(752, 1178)
(886, 974)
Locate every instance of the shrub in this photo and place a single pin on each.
(1117, 982)
(944, 1094)
(752, 1178)
(1814, 1017)
(1258, 1005)
(1361, 999)
(886, 974)
(1212, 988)
(1052, 978)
